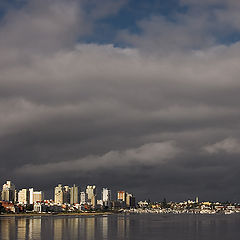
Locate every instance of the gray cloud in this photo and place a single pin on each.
(120, 117)
(208, 3)
(228, 145)
(148, 154)
(163, 35)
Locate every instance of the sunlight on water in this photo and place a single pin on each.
(121, 227)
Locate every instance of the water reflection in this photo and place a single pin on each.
(123, 227)
(58, 228)
(104, 228)
(34, 228)
(8, 229)
(21, 228)
(90, 228)
(119, 227)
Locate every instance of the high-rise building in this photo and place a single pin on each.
(58, 194)
(30, 195)
(23, 196)
(90, 191)
(38, 196)
(35, 196)
(66, 194)
(130, 200)
(8, 192)
(82, 197)
(121, 196)
(74, 194)
(106, 197)
(91, 195)
(16, 196)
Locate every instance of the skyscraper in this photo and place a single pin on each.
(130, 200)
(121, 196)
(82, 197)
(90, 191)
(74, 194)
(30, 195)
(106, 197)
(66, 194)
(38, 196)
(91, 195)
(23, 196)
(58, 194)
(8, 192)
(35, 196)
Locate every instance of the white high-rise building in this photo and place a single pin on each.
(106, 197)
(38, 196)
(30, 195)
(91, 195)
(23, 196)
(90, 191)
(58, 194)
(8, 192)
(35, 196)
(74, 194)
(82, 198)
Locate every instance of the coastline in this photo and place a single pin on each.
(55, 214)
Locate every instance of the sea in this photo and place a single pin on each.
(122, 226)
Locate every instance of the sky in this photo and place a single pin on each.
(141, 96)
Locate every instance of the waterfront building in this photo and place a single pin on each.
(121, 196)
(66, 194)
(15, 196)
(58, 194)
(8, 192)
(38, 196)
(130, 200)
(35, 196)
(91, 195)
(100, 203)
(106, 197)
(30, 195)
(23, 196)
(90, 191)
(74, 194)
(82, 197)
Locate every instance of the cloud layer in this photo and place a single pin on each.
(159, 118)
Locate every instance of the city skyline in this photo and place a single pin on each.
(62, 194)
(88, 194)
(130, 94)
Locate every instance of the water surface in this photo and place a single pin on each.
(117, 227)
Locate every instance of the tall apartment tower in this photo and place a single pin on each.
(121, 196)
(130, 200)
(90, 191)
(82, 197)
(74, 194)
(23, 196)
(8, 192)
(58, 194)
(66, 194)
(106, 197)
(35, 196)
(91, 195)
(38, 196)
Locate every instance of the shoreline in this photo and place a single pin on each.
(55, 214)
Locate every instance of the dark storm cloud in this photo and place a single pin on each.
(157, 124)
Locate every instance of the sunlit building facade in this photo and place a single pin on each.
(8, 192)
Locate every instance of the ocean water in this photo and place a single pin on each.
(120, 226)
